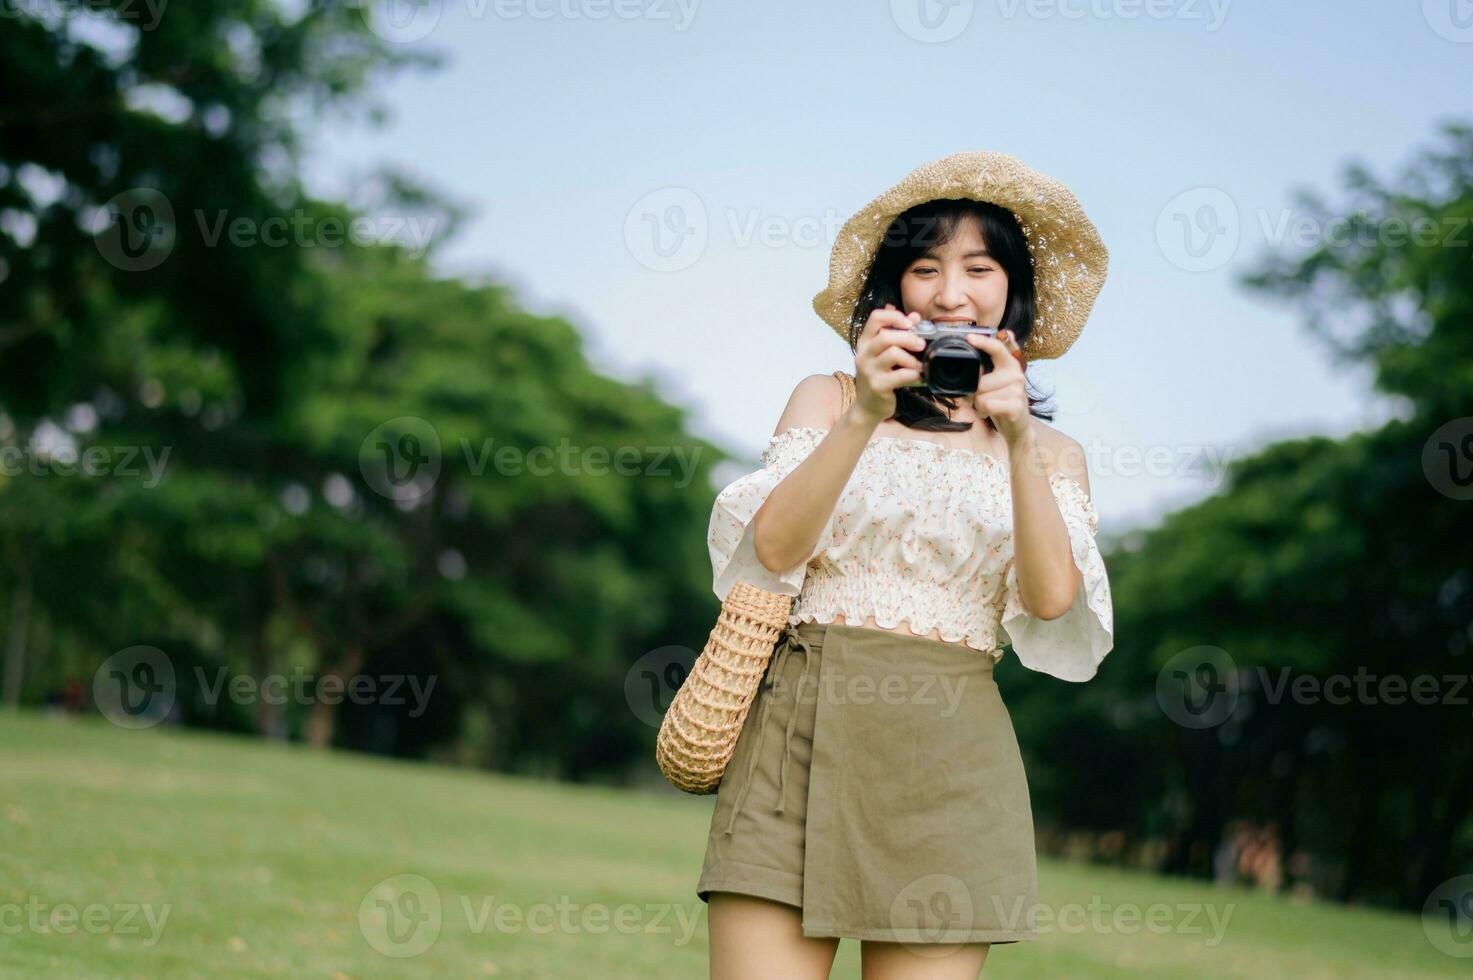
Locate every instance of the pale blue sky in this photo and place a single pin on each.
(568, 134)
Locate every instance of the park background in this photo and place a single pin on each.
(325, 328)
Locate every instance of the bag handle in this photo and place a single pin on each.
(846, 384)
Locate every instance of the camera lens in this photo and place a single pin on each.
(949, 373)
(953, 368)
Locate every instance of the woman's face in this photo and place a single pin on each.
(957, 281)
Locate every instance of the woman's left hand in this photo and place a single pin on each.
(1001, 394)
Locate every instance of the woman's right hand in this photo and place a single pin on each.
(884, 359)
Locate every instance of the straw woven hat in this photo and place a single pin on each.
(1069, 259)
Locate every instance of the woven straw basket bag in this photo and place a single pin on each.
(699, 731)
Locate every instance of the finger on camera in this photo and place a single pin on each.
(899, 377)
(885, 334)
(987, 342)
(1001, 352)
(890, 346)
(888, 316)
(995, 379)
(881, 317)
(896, 337)
(898, 357)
(1001, 356)
(899, 341)
(888, 338)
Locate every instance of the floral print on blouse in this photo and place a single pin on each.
(922, 533)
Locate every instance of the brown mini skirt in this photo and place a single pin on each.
(877, 786)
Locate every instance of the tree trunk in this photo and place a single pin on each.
(1424, 816)
(270, 718)
(1286, 798)
(1432, 870)
(323, 716)
(1209, 789)
(1363, 834)
(15, 643)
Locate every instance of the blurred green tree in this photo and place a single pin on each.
(1321, 558)
(265, 380)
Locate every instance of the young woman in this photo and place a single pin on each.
(876, 790)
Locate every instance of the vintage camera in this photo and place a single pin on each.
(950, 365)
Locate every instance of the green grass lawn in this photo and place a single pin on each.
(162, 853)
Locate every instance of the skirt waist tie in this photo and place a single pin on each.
(790, 638)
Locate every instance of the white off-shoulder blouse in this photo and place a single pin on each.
(922, 533)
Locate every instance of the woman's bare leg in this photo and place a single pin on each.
(758, 939)
(902, 961)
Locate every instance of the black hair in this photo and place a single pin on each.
(912, 232)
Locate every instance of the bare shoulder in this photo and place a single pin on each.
(815, 403)
(1064, 454)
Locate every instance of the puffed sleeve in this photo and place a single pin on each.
(1071, 646)
(729, 537)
